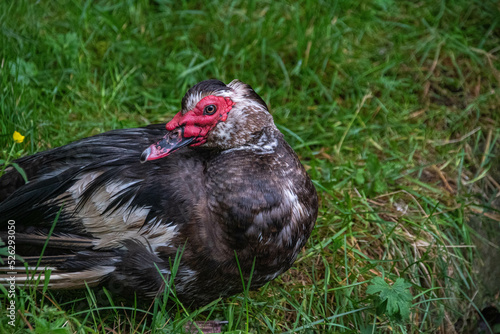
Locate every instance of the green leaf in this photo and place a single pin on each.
(379, 186)
(360, 177)
(21, 171)
(395, 300)
(373, 164)
(23, 71)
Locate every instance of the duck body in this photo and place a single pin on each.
(235, 203)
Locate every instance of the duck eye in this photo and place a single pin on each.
(209, 110)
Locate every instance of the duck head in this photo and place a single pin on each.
(213, 114)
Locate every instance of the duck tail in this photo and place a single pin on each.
(68, 262)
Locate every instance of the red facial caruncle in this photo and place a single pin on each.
(190, 128)
(203, 118)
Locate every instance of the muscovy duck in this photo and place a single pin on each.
(220, 183)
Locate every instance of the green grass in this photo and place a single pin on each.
(393, 106)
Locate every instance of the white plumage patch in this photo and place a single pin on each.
(121, 223)
(193, 100)
(186, 277)
(73, 280)
(298, 209)
(272, 276)
(265, 145)
(158, 234)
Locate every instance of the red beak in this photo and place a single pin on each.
(170, 143)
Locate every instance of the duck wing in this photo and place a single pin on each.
(111, 211)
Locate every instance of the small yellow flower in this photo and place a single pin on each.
(18, 138)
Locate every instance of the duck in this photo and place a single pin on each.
(214, 196)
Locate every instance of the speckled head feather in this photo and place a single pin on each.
(199, 91)
(247, 92)
(248, 116)
(213, 115)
